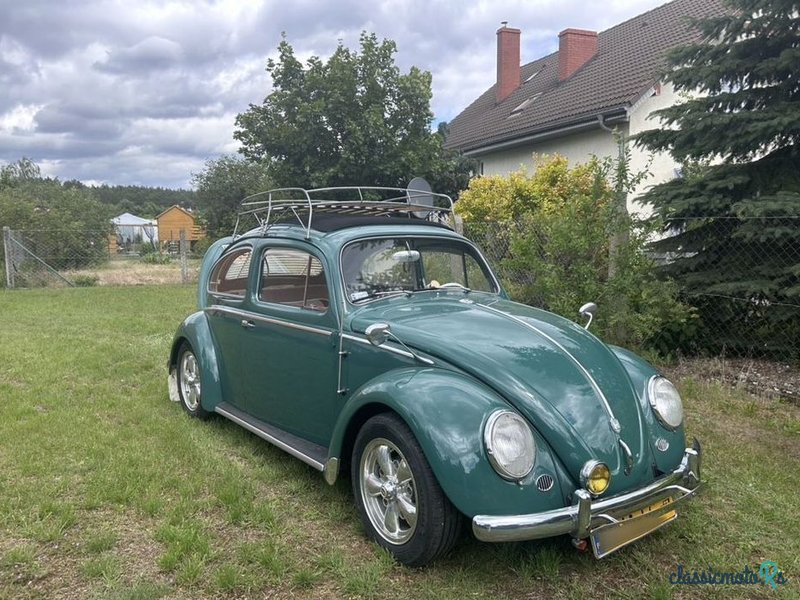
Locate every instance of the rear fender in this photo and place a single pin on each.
(447, 412)
(195, 331)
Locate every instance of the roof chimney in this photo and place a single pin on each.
(508, 61)
(575, 48)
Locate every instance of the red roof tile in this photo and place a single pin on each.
(628, 60)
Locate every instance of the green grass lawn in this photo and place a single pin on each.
(108, 490)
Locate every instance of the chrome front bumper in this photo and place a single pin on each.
(585, 515)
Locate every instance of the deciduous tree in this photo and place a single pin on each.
(222, 185)
(353, 119)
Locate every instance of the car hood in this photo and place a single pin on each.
(562, 378)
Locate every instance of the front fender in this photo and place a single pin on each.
(196, 331)
(640, 372)
(447, 411)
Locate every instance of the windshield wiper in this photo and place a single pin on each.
(445, 287)
(380, 294)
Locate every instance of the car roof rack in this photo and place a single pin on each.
(277, 206)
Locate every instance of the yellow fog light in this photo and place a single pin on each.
(595, 477)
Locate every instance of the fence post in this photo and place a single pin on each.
(184, 258)
(8, 257)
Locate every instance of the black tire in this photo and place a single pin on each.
(189, 382)
(433, 527)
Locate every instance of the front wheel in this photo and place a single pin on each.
(400, 502)
(189, 383)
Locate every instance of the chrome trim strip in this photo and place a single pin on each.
(271, 439)
(245, 314)
(576, 520)
(628, 456)
(407, 354)
(613, 421)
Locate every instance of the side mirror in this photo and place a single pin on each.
(378, 333)
(588, 310)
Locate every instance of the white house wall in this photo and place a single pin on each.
(580, 147)
(662, 166)
(577, 148)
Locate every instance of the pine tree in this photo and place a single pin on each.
(733, 218)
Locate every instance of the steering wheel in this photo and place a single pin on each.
(452, 284)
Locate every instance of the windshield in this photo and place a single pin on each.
(386, 266)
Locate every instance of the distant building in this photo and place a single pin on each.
(131, 232)
(568, 102)
(176, 219)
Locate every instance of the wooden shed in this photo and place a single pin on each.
(176, 219)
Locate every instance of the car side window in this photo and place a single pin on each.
(229, 275)
(294, 278)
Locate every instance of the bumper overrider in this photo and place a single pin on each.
(614, 521)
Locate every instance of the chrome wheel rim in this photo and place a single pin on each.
(388, 491)
(190, 381)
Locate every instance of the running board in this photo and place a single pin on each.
(310, 453)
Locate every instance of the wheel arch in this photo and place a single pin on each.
(446, 412)
(196, 332)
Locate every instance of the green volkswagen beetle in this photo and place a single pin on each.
(353, 329)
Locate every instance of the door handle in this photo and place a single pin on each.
(247, 324)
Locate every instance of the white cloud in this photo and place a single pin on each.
(145, 92)
(20, 119)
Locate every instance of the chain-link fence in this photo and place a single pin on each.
(738, 278)
(44, 258)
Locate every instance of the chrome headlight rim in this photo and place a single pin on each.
(654, 402)
(587, 471)
(489, 444)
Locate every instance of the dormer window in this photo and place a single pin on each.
(535, 73)
(524, 104)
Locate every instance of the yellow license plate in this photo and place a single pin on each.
(647, 509)
(631, 527)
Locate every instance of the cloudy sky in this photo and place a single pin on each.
(143, 92)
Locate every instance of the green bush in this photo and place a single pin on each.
(564, 244)
(65, 224)
(156, 258)
(88, 280)
(147, 248)
(200, 247)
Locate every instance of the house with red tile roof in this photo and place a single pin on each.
(571, 101)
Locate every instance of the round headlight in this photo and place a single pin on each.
(666, 402)
(509, 444)
(595, 477)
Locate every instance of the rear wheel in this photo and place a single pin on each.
(400, 502)
(189, 383)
